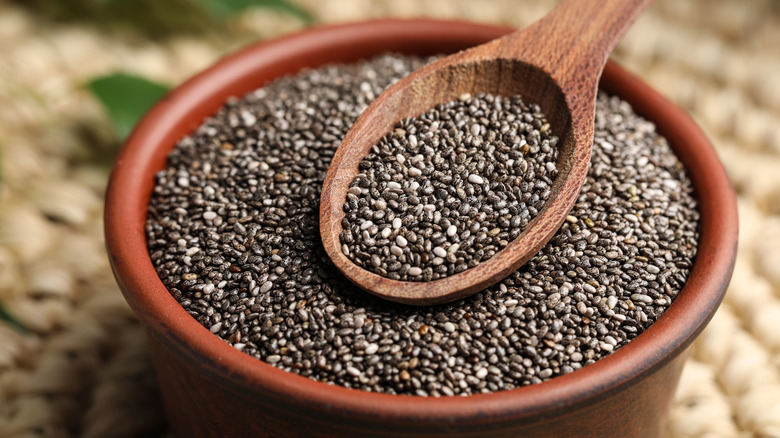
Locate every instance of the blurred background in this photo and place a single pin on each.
(75, 75)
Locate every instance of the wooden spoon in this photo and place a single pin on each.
(556, 63)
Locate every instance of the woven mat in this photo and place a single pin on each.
(83, 370)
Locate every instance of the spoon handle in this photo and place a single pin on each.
(574, 40)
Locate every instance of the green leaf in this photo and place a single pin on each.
(226, 8)
(127, 98)
(7, 317)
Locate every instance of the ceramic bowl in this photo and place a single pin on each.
(211, 389)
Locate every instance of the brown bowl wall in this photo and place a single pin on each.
(211, 389)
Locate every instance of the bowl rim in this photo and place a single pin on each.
(184, 108)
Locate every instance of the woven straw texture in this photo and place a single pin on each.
(83, 369)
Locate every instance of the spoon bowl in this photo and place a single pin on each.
(554, 63)
(505, 77)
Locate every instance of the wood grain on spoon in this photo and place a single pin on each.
(556, 63)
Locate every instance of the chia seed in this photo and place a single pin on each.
(472, 172)
(238, 247)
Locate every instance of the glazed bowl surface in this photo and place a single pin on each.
(211, 389)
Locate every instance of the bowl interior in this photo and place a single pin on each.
(185, 108)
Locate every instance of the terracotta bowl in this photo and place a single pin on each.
(212, 389)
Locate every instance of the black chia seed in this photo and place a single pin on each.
(232, 231)
(450, 188)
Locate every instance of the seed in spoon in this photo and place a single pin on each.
(447, 190)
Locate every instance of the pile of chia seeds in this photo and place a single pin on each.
(450, 188)
(232, 231)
